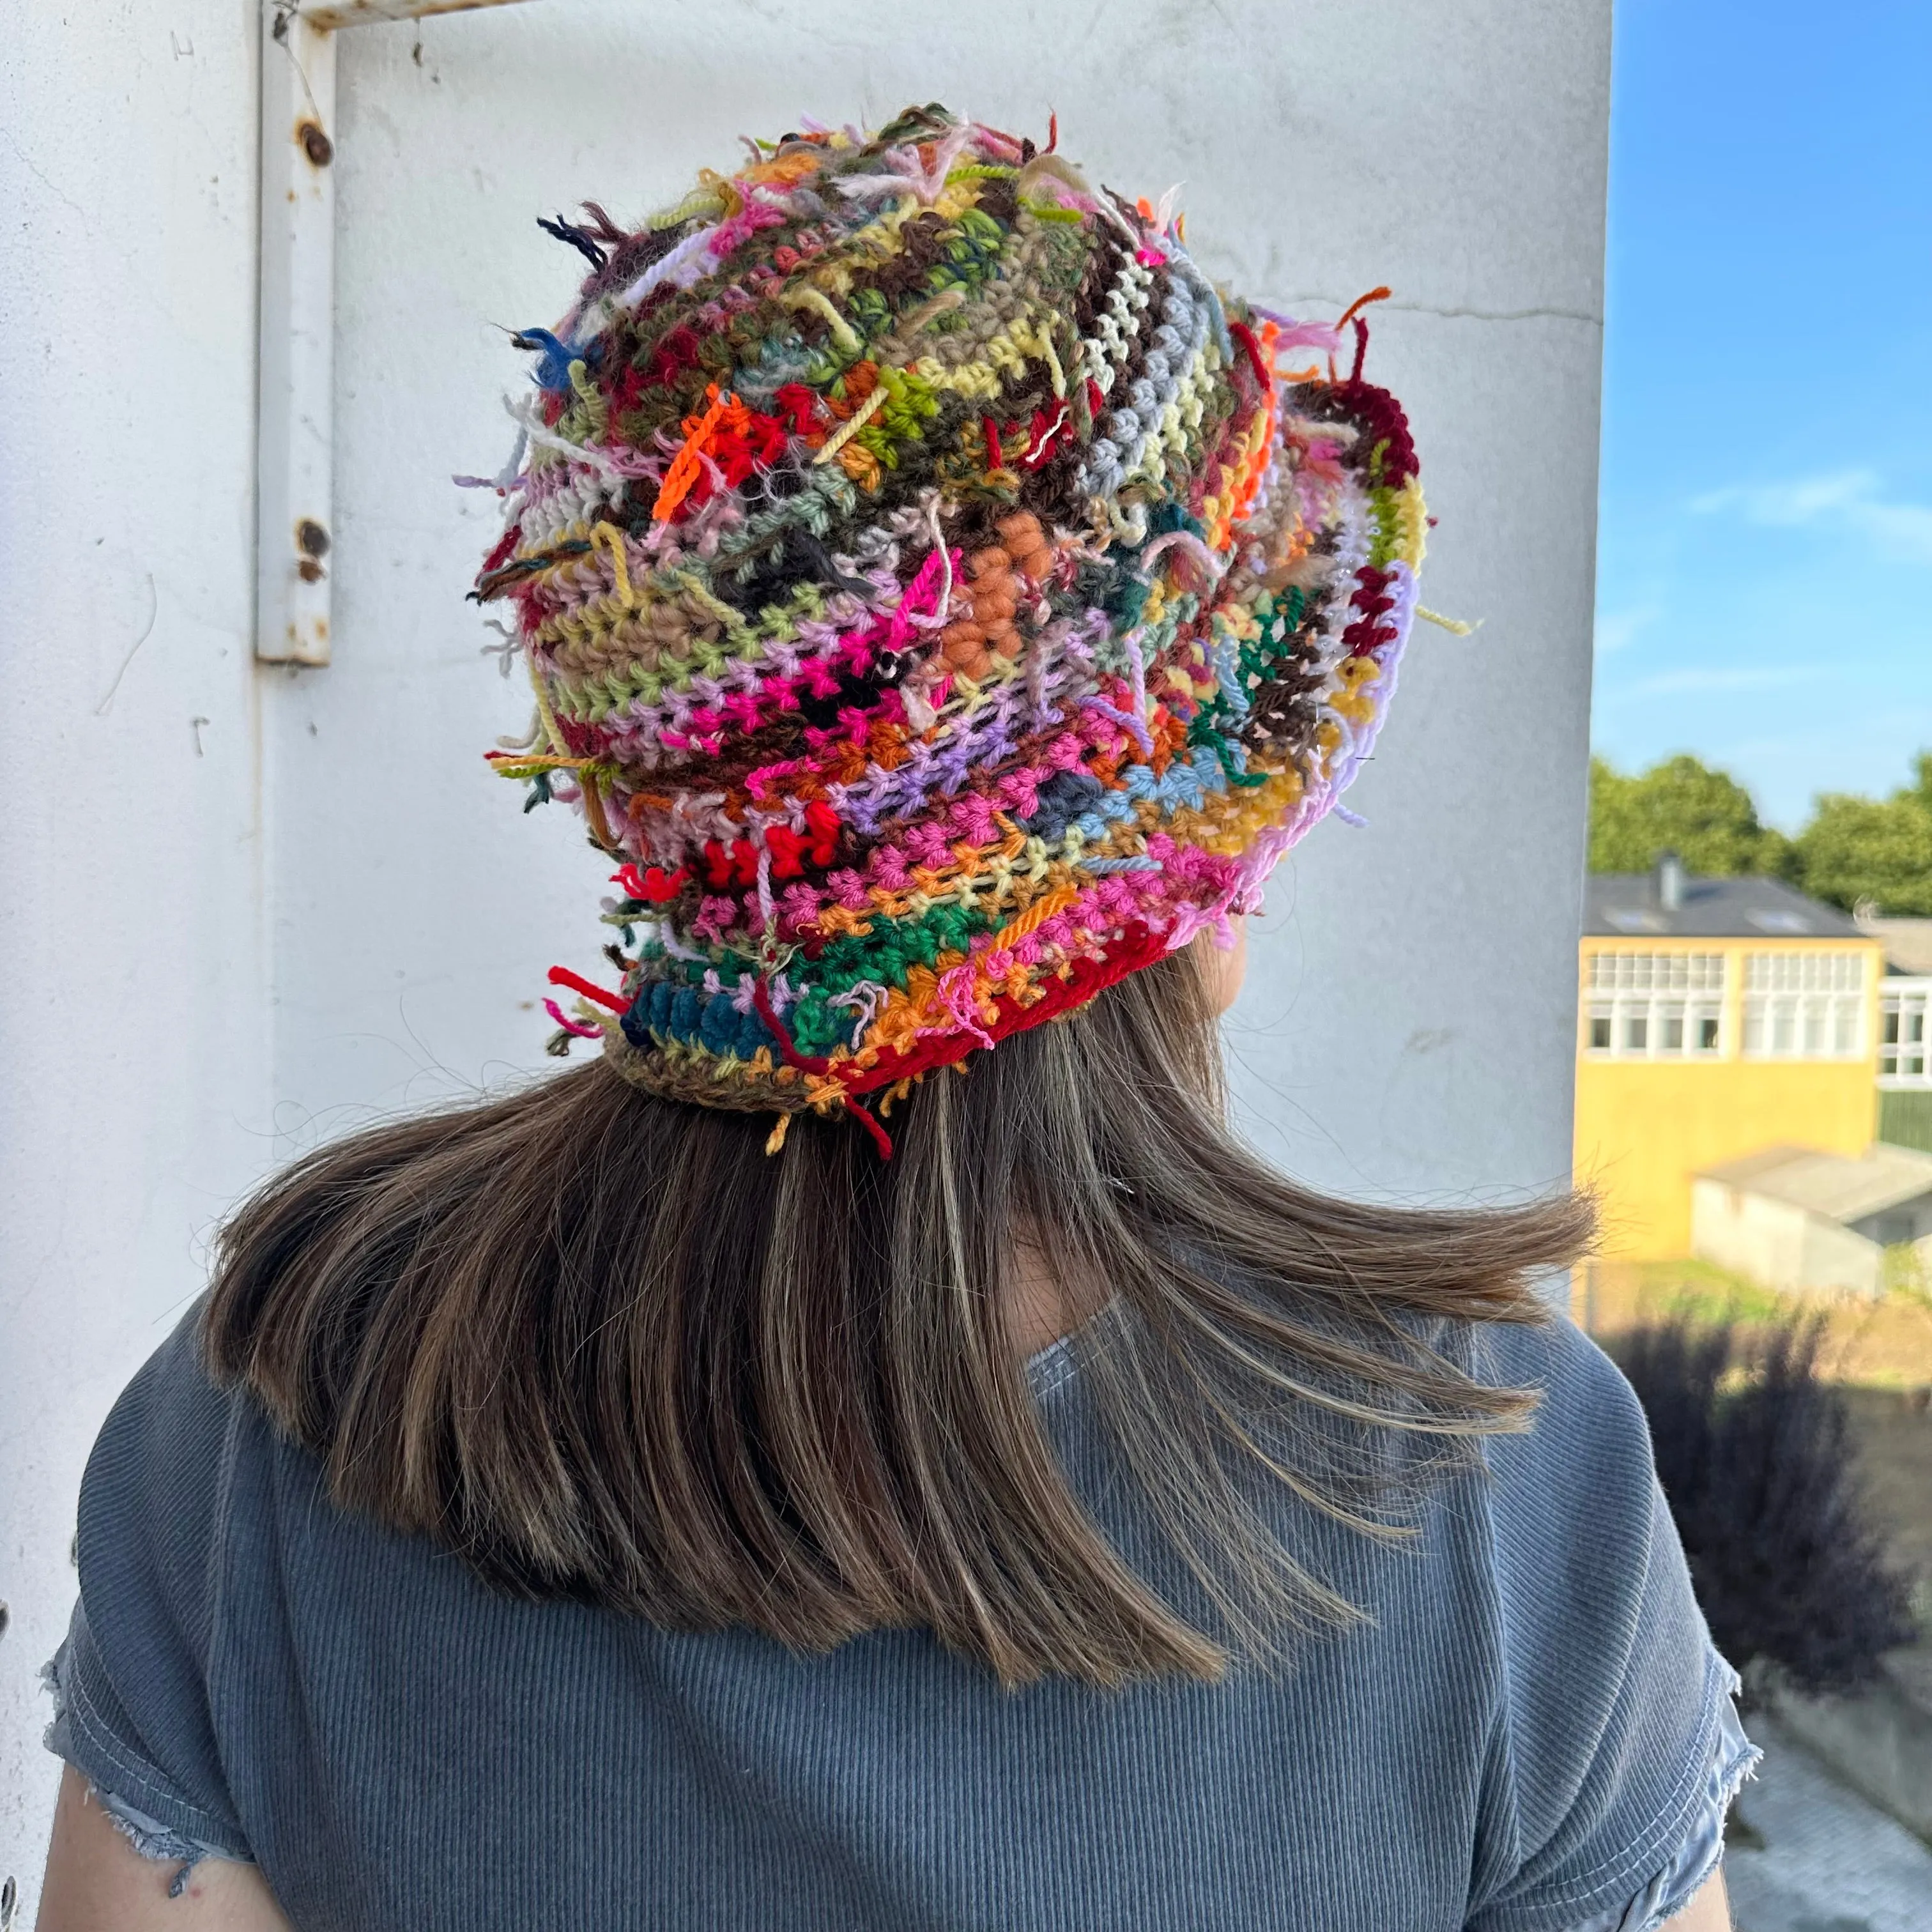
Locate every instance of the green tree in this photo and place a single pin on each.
(1877, 849)
(1682, 805)
(1921, 787)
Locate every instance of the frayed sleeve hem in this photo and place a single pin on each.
(136, 1796)
(1733, 1758)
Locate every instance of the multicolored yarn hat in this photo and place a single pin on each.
(940, 599)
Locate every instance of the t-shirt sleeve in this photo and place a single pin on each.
(1612, 1733)
(131, 1682)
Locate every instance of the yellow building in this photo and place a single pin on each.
(1715, 1017)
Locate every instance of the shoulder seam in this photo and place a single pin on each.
(1493, 1615)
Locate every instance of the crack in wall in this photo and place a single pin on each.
(1584, 316)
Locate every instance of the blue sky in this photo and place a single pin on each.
(1765, 566)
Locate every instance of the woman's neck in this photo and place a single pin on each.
(1040, 1306)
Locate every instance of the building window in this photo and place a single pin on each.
(1903, 1007)
(1804, 1006)
(1656, 1006)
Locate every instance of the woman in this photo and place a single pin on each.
(871, 1450)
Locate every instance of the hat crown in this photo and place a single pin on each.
(939, 598)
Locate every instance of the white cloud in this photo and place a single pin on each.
(1850, 499)
(1616, 629)
(1904, 528)
(1799, 500)
(1748, 677)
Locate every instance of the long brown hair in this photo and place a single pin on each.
(607, 1348)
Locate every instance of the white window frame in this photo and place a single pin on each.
(1654, 1005)
(1905, 1034)
(1808, 1005)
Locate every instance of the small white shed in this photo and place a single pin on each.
(1807, 1221)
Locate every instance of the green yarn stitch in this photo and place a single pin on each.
(1385, 503)
(971, 257)
(586, 419)
(594, 699)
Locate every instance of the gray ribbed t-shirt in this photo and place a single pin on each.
(1526, 1738)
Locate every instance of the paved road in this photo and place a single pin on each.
(1830, 1862)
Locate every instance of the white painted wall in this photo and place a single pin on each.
(1751, 1234)
(134, 987)
(218, 950)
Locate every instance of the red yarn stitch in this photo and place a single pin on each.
(739, 865)
(1045, 436)
(562, 975)
(1385, 423)
(1245, 336)
(1373, 600)
(501, 552)
(881, 1140)
(1136, 946)
(677, 349)
(800, 406)
(806, 1063)
(657, 885)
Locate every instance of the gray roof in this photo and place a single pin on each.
(1625, 905)
(1907, 942)
(1833, 1185)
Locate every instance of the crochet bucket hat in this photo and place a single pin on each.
(940, 601)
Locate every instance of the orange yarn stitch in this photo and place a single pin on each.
(686, 466)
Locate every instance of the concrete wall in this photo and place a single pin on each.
(1784, 1246)
(1904, 1222)
(225, 937)
(1835, 1261)
(1746, 1233)
(1779, 1243)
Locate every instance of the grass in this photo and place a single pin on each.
(1881, 1342)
